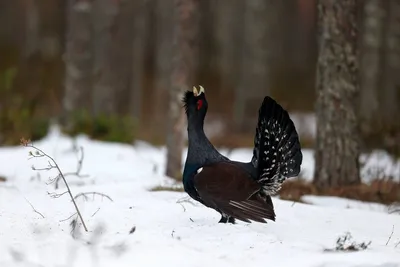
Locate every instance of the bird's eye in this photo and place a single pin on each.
(199, 104)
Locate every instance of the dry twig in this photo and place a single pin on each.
(85, 195)
(76, 173)
(390, 237)
(53, 165)
(34, 208)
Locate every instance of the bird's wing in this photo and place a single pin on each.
(228, 188)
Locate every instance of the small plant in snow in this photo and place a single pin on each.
(52, 164)
(345, 243)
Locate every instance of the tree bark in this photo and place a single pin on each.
(163, 56)
(390, 92)
(260, 22)
(184, 52)
(337, 142)
(370, 69)
(32, 28)
(122, 54)
(229, 29)
(140, 34)
(103, 97)
(79, 58)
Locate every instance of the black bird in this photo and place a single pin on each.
(240, 190)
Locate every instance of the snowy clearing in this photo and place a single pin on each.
(168, 233)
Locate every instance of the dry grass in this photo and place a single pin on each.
(167, 188)
(293, 190)
(380, 191)
(3, 179)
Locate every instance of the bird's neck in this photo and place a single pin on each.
(199, 146)
(200, 151)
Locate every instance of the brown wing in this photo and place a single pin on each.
(229, 189)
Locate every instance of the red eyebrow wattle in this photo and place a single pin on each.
(199, 104)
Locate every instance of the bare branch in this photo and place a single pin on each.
(57, 195)
(34, 208)
(185, 200)
(95, 212)
(52, 180)
(43, 169)
(36, 156)
(63, 220)
(80, 161)
(390, 237)
(76, 173)
(53, 164)
(85, 195)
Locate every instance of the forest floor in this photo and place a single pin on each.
(142, 226)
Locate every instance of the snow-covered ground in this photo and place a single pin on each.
(168, 233)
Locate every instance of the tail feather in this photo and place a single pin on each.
(277, 152)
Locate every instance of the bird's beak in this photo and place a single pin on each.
(195, 92)
(201, 90)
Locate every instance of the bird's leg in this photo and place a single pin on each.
(224, 219)
(231, 220)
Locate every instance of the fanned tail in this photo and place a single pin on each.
(277, 153)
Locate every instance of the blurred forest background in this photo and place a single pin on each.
(122, 50)
(112, 68)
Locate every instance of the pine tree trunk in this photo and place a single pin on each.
(260, 24)
(122, 54)
(32, 28)
(103, 97)
(184, 52)
(337, 144)
(162, 73)
(229, 30)
(370, 69)
(79, 59)
(390, 87)
(140, 34)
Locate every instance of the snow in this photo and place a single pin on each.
(168, 233)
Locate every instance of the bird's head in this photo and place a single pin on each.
(195, 103)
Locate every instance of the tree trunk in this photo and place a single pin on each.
(122, 55)
(164, 27)
(390, 96)
(140, 36)
(391, 66)
(337, 144)
(32, 28)
(229, 29)
(79, 58)
(184, 52)
(103, 97)
(260, 19)
(370, 69)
